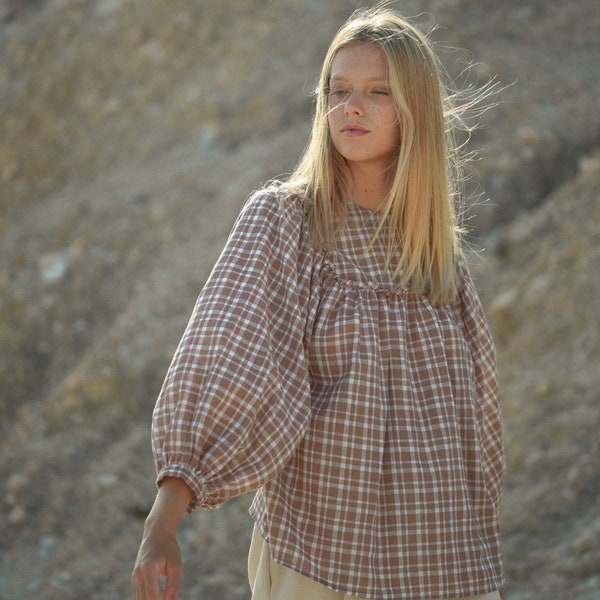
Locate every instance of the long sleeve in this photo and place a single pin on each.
(235, 403)
(486, 390)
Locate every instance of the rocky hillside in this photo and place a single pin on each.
(131, 131)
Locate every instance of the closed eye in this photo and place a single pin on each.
(338, 92)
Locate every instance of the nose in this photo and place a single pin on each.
(353, 104)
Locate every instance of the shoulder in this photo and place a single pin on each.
(468, 303)
(467, 287)
(275, 206)
(277, 197)
(466, 299)
(273, 217)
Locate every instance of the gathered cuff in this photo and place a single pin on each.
(201, 498)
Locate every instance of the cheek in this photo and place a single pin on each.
(394, 124)
(334, 113)
(386, 117)
(333, 120)
(393, 134)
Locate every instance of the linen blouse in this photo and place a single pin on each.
(367, 420)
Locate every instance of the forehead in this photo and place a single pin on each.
(359, 60)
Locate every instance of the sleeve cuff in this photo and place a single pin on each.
(191, 479)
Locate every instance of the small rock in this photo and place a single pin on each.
(16, 483)
(53, 266)
(16, 516)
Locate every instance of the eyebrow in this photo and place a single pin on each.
(342, 78)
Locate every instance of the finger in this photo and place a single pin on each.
(152, 584)
(147, 582)
(172, 583)
(136, 585)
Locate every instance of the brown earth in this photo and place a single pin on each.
(130, 134)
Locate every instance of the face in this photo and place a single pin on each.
(363, 123)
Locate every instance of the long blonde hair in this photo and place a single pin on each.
(419, 212)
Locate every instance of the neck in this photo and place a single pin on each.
(369, 189)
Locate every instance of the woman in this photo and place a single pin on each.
(338, 360)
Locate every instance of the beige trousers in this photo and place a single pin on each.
(272, 581)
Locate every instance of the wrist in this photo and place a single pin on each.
(172, 499)
(157, 523)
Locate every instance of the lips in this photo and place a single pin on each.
(352, 129)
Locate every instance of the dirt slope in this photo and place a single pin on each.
(131, 131)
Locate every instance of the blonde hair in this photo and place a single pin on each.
(419, 212)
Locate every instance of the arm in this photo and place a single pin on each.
(159, 552)
(235, 403)
(487, 392)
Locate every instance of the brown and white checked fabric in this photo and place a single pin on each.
(368, 420)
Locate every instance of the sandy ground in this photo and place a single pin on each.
(130, 134)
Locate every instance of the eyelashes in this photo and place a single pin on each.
(342, 92)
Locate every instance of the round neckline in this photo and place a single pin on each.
(363, 209)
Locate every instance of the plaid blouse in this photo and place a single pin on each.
(367, 420)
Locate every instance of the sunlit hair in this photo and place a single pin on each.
(419, 212)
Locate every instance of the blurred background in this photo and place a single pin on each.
(131, 132)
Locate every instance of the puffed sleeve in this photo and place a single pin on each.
(236, 400)
(486, 389)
